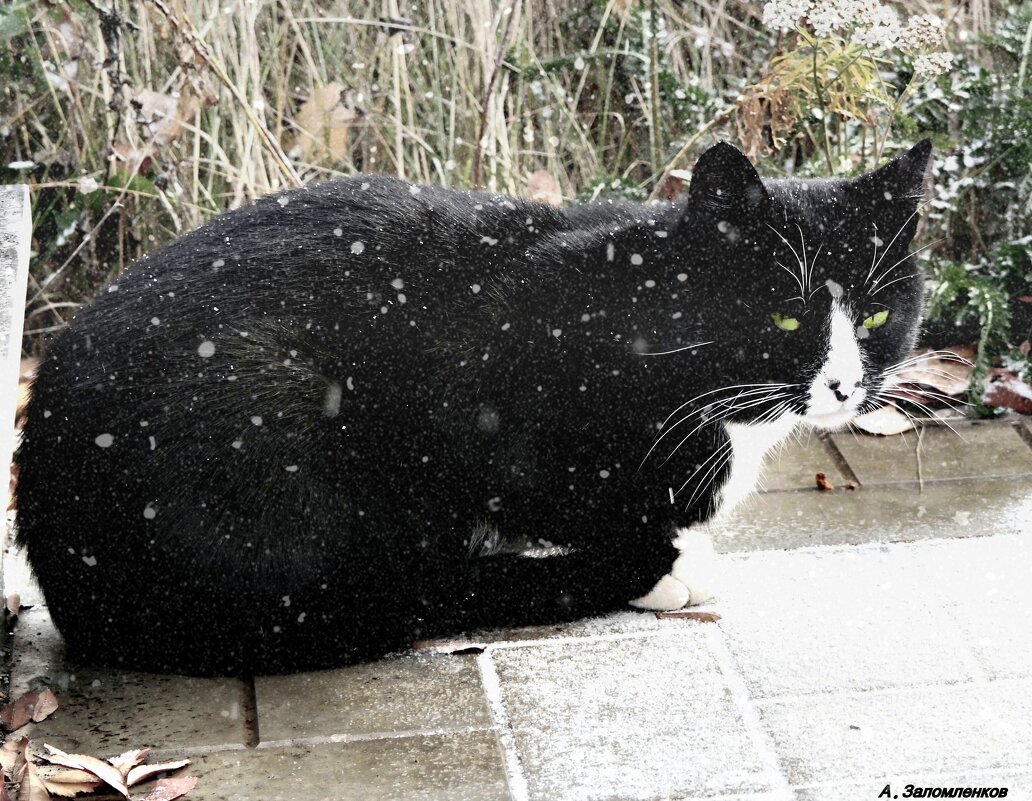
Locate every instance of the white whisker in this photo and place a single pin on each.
(894, 266)
(677, 350)
(919, 207)
(757, 389)
(893, 281)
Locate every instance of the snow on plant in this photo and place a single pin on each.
(834, 78)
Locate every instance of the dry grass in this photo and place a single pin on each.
(144, 118)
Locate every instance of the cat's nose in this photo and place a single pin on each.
(834, 385)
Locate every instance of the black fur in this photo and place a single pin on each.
(475, 359)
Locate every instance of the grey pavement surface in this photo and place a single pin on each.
(868, 637)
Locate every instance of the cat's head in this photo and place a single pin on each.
(810, 284)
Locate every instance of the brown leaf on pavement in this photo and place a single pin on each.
(104, 771)
(12, 604)
(19, 712)
(12, 757)
(884, 421)
(144, 772)
(1006, 391)
(823, 484)
(129, 760)
(169, 789)
(65, 788)
(948, 375)
(31, 787)
(46, 705)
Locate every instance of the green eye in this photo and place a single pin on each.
(877, 319)
(789, 323)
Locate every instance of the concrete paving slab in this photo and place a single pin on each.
(891, 513)
(796, 463)
(998, 632)
(634, 717)
(415, 694)
(106, 712)
(850, 644)
(966, 728)
(969, 450)
(446, 768)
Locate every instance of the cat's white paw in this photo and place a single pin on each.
(668, 595)
(691, 581)
(696, 567)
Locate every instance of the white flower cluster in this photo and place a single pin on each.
(878, 26)
(873, 25)
(784, 15)
(923, 32)
(931, 64)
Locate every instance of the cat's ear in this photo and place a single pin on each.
(903, 177)
(724, 182)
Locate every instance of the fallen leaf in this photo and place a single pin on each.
(31, 787)
(823, 484)
(169, 789)
(13, 605)
(104, 771)
(542, 187)
(324, 124)
(682, 614)
(67, 789)
(46, 705)
(144, 772)
(1006, 391)
(948, 374)
(12, 757)
(129, 760)
(884, 421)
(19, 712)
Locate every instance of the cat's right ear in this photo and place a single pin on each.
(726, 184)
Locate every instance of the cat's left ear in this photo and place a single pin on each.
(725, 184)
(902, 178)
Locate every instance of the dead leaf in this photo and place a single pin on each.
(934, 376)
(31, 787)
(324, 123)
(104, 771)
(169, 789)
(12, 757)
(46, 705)
(71, 789)
(884, 421)
(12, 604)
(129, 760)
(1006, 391)
(683, 614)
(543, 188)
(823, 484)
(144, 772)
(19, 712)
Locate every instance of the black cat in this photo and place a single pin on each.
(331, 422)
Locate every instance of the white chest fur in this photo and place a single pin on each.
(749, 444)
